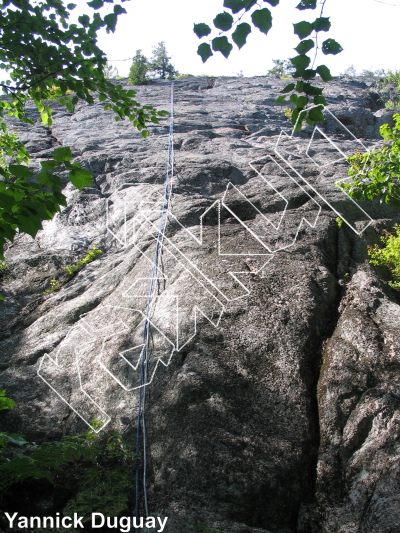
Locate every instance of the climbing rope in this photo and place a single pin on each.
(151, 298)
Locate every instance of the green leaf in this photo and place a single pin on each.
(234, 5)
(301, 62)
(20, 171)
(96, 4)
(315, 114)
(239, 36)
(319, 100)
(303, 29)
(50, 164)
(81, 178)
(111, 22)
(44, 177)
(298, 117)
(204, 51)
(272, 2)
(330, 46)
(311, 89)
(301, 118)
(62, 154)
(119, 10)
(201, 30)
(288, 88)
(308, 74)
(221, 44)
(29, 224)
(14, 438)
(302, 101)
(304, 46)
(7, 201)
(321, 24)
(248, 4)
(280, 99)
(262, 19)
(307, 4)
(294, 98)
(223, 21)
(324, 72)
(84, 20)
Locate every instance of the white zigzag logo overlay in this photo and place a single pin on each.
(217, 275)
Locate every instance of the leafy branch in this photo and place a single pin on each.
(48, 58)
(26, 200)
(307, 98)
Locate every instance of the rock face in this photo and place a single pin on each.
(273, 367)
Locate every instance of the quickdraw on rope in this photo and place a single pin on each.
(151, 297)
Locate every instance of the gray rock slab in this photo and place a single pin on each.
(272, 404)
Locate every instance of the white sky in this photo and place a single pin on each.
(368, 30)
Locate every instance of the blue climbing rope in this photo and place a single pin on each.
(146, 352)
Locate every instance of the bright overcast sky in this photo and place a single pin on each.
(368, 30)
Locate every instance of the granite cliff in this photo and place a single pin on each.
(273, 403)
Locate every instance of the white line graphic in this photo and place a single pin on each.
(215, 263)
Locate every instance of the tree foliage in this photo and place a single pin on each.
(376, 175)
(389, 255)
(139, 68)
(74, 458)
(307, 98)
(282, 68)
(48, 58)
(160, 63)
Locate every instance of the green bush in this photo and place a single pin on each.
(5, 403)
(97, 467)
(389, 255)
(376, 175)
(93, 254)
(388, 88)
